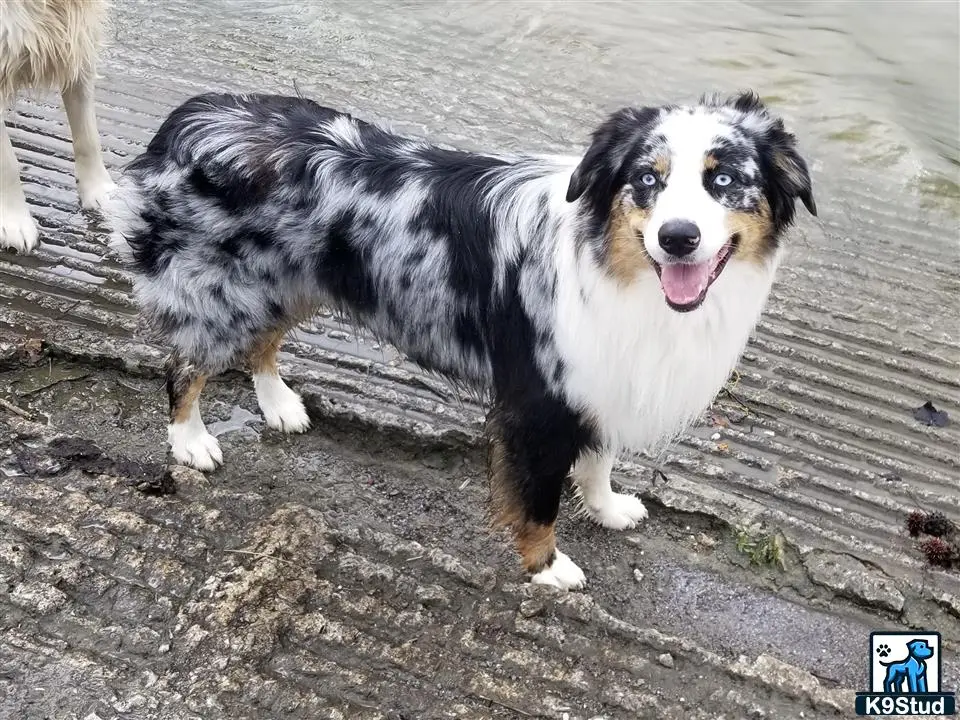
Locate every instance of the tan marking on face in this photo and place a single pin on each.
(662, 165)
(183, 403)
(756, 234)
(710, 162)
(626, 257)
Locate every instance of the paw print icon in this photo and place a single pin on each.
(883, 650)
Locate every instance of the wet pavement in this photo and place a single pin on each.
(283, 585)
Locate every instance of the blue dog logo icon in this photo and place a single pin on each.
(911, 671)
(906, 673)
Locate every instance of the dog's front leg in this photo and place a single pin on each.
(532, 446)
(93, 180)
(17, 229)
(917, 680)
(591, 477)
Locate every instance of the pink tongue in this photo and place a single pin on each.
(683, 284)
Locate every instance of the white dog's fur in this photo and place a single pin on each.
(50, 44)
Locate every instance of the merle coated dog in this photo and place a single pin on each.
(601, 300)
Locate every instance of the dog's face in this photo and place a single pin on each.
(920, 649)
(685, 191)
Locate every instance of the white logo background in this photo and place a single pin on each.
(897, 642)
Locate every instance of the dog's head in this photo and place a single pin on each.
(920, 649)
(688, 189)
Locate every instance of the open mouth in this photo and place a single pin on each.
(685, 285)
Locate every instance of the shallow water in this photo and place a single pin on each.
(873, 83)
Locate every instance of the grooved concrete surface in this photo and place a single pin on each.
(348, 572)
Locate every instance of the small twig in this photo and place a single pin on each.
(415, 557)
(15, 409)
(913, 496)
(49, 385)
(743, 405)
(70, 309)
(504, 705)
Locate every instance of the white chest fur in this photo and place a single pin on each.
(643, 370)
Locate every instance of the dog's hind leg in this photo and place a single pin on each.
(591, 477)
(282, 407)
(93, 180)
(190, 443)
(17, 229)
(530, 454)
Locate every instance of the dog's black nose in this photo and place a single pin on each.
(679, 237)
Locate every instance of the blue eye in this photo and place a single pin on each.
(648, 179)
(722, 180)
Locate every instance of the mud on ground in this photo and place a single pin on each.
(350, 572)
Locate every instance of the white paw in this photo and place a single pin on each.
(95, 190)
(17, 229)
(194, 447)
(618, 511)
(563, 573)
(282, 408)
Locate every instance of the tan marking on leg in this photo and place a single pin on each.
(183, 404)
(263, 356)
(505, 505)
(536, 543)
(756, 234)
(626, 257)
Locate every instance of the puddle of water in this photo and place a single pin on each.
(238, 420)
(74, 274)
(71, 252)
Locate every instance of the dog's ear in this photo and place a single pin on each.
(790, 177)
(795, 176)
(601, 164)
(747, 101)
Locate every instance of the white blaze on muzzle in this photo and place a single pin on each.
(686, 276)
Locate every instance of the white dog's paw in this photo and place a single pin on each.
(282, 408)
(95, 189)
(18, 230)
(198, 449)
(618, 511)
(562, 573)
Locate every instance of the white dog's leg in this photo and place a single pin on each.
(282, 407)
(591, 476)
(93, 180)
(190, 443)
(17, 229)
(562, 573)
